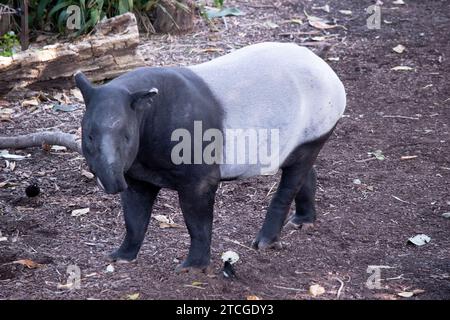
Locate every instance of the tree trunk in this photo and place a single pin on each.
(108, 52)
(174, 18)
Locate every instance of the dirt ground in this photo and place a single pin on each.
(367, 208)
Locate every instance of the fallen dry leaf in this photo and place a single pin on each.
(446, 215)
(405, 294)
(11, 165)
(399, 48)
(271, 25)
(346, 12)
(65, 286)
(165, 222)
(28, 263)
(325, 8)
(164, 225)
(110, 268)
(79, 212)
(320, 24)
(318, 38)
(297, 21)
(77, 94)
(161, 218)
(316, 290)
(399, 2)
(253, 298)
(87, 174)
(133, 296)
(419, 240)
(5, 114)
(32, 102)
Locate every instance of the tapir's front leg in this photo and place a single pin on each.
(197, 204)
(137, 202)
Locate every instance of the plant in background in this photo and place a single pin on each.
(52, 15)
(218, 3)
(9, 43)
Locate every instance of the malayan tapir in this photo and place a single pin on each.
(129, 124)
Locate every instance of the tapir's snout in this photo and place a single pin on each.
(112, 184)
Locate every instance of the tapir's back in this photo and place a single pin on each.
(276, 86)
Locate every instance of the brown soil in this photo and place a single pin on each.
(401, 113)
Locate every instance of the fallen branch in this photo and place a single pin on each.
(110, 50)
(67, 140)
(401, 117)
(288, 288)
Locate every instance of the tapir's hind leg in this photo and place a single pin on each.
(137, 202)
(296, 170)
(305, 209)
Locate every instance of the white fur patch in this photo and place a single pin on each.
(275, 86)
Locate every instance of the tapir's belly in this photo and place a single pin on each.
(282, 94)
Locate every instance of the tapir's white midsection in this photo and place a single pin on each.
(274, 86)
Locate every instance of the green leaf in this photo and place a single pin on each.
(218, 3)
(58, 7)
(212, 13)
(62, 20)
(40, 11)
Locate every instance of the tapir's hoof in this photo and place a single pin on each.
(190, 269)
(119, 257)
(299, 223)
(264, 244)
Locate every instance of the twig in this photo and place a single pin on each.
(408, 157)
(192, 286)
(397, 198)
(299, 33)
(225, 23)
(395, 278)
(271, 188)
(239, 244)
(365, 160)
(261, 6)
(287, 288)
(401, 117)
(340, 288)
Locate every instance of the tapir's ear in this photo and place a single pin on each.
(84, 85)
(138, 97)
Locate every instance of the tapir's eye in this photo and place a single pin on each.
(127, 138)
(90, 138)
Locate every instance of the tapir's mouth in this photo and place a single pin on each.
(114, 185)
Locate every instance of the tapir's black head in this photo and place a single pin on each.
(110, 130)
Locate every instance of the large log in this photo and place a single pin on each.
(104, 54)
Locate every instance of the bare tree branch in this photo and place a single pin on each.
(37, 139)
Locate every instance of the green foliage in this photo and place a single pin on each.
(218, 3)
(8, 42)
(52, 15)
